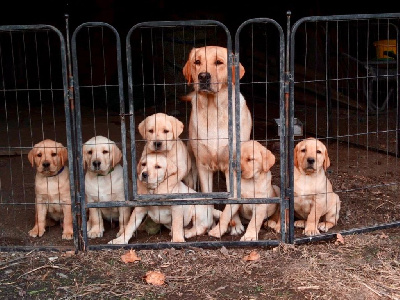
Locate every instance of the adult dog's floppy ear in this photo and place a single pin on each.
(177, 126)
(296, 148)
(241, 72)
(171, 168)
(117, 155)
(187, 69)
(268, 159)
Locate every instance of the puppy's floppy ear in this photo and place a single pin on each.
(187, 69)
(63, 153)
(117, 155)
(171, 168)
(31, 156)
(177, 126)
(142, 128)
(296, 149)
(268, 159)
(241, 72)
(327, 161)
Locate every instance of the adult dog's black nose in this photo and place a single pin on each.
(310, 160)
(46, 164)
(204, 80)
(145, 175)
(96, 164)
(157, 144)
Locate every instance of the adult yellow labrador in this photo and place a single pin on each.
(104, 182)
(315, 203)
(52, 187)
(207, 70)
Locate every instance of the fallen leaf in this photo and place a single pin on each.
(339, 239)
(383, 236)
(252, 256)
(68, 254)
(130, 257)
(155, 277)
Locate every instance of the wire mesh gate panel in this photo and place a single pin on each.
(34, 107)
(344, 89)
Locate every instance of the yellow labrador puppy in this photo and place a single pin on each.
(207, 70)
(153, 170)
(104, 182)
(52, 187)
(162, 132)
(315, 203)
(255, 162)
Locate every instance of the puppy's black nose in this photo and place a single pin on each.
(310, 160)
(157, 144)
(46, 164)
(96, 164)
(145, 175)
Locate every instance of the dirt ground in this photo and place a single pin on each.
(364, 266)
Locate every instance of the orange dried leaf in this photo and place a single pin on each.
(155, 278)
(252, 256)
(339, 239)
(130, 257)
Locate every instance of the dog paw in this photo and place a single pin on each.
(325, 226)
(36, 232)
(95, 234)
(300, 224)
(311, 232)
(248, 238)
(119, 240)
(178, 240)
(237, 229)
(215, 232)
(67, 235)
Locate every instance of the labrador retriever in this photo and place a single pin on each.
(104, 182)
(315, 203)
(153, 169)
(207, 70)
(52, 187)
(161, 132)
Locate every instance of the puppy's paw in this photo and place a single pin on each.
(311, 232)
(300, 224)
(325, 226)
(215, 232)
(67, 235)
(35, 232)
(178, 240)
(95, 234)
(249, 237)
(119, 240)
(237, 229)
(273, 225)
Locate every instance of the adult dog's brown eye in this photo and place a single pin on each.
(157, 167)
(197, 62)
(53, 154)
(303, 150)
(319, 151)
(105, 151)
(143, 164)
(39, 155)
(219, 62)
(151, 130)
(166, 130)
(250, 159)
(90, 152)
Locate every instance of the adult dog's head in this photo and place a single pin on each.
(255, 159)
(48, 156)
(160, 130)
(154, 168)
(207, 69)
(311, 156)
(101, 155)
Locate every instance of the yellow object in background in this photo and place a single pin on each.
(385, 45)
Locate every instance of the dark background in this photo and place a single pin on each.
(124, 14)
